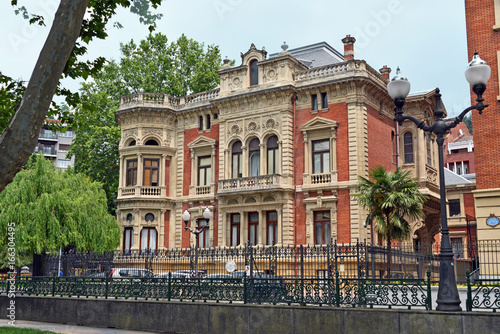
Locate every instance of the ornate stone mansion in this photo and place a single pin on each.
(275, 153)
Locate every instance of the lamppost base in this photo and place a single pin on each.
(448, 298)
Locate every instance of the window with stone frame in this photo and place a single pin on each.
(149, 238)
(128, 239)
(254, 73)
(322, 228)
(321, 156)
(324, 101)
(204, 236)
(428, 143)
(408, 148)
(454, 207)
(151, 172)
(253, 227)
(204, 171)
(272, 155)
(320, 138)
(314, 102)
(254, 157)
(272, 227)
(236, 160)
(131, 174)
(235, 229)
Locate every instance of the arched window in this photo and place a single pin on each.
(408, 148)
(149, 217)
(130, 218)
(132, 143)
(254, 157)
(152, 142)
(148, 239)
(429, 150)
(236, 160)
(272, 155)
(254, 73)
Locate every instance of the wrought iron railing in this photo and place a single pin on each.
(331, 291)
(483, 293)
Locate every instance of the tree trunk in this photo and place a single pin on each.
(19, 139)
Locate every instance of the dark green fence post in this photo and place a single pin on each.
(429, 291)
(337, 289)
(245, 296)
(54, 278)
(468, 302)
(106, 289)
(169, 291)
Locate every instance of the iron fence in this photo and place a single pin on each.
(272, 290)
(357, 260)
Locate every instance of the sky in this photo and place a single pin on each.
(426, 39)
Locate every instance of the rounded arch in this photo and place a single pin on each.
(253, 67)
(152, 141)
(130, 141)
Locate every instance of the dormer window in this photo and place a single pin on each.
(254, 73)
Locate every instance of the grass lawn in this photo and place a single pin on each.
(15, 330)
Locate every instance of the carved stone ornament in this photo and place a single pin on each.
(129, 132)
(234, 130)
(235, 83)
(154, 131)
(252, 127)
(270, 124)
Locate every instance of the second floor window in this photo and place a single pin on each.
(321, 156)
(204, 171)
(324, 101)
(236, 160)
(254, 157)
(131, 176)
(408, 148)
(272, 155)
(151, 171)
(428, 147)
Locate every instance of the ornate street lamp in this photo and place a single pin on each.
(207, 214)
(477, 74)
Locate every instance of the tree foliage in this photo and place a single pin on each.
(393, 200)
(61, 56)
(152, 65)
(468, 121)
(51, 209)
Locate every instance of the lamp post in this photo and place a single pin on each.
(477, 74)
(207, 214)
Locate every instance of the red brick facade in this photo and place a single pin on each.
(480, 18)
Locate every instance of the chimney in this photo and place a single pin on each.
(348, 47)
(385, 71)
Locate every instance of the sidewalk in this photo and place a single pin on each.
(68, 329)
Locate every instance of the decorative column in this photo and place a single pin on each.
(244, 161)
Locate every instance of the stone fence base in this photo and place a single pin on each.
(219, 318)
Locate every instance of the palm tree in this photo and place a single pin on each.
(393, 199)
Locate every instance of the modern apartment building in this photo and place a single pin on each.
(54, 145)
(275, 153)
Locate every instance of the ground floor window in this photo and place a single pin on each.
(128, 238)
(272, 227)
(148, 239)
(235, 229)
(322, 228)
(253, 228)
(204, 237)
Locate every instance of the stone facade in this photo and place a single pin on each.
(274, 153)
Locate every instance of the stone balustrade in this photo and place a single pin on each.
(249, 183)
(142, 191)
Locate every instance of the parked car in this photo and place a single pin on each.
(176, 276)
(191, 273)
(102, 274)
(221, 277)
(131, 273)
(241, 273)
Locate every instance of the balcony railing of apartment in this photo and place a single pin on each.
(47, 135)
(249, 183)
(143, 191)
(204, 190)
(46, 150)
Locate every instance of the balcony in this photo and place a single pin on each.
(252, 183)
(142, 191)
(49, 135)
(46, 151)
